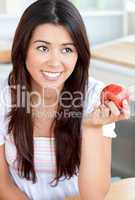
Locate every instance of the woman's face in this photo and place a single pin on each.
(51, 56)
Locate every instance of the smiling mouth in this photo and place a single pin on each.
(51, 75)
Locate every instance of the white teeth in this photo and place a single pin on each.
(54, 74)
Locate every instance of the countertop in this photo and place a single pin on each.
(121, 52)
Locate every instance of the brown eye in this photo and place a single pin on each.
(67, 50)
(42, 49)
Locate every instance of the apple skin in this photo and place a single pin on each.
(115, 93)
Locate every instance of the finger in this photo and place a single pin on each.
(125, 104)
(98, 113)
(96, 106)
(126, 109)
(113, 108)
(105, 111)
(125, 113)
(96, 116)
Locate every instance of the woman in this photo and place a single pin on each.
(55, 136)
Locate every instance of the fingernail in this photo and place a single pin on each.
(117, 113)
(125, 102)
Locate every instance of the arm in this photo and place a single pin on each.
(95, 167)
(8, 190)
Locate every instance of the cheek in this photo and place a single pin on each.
(31, 59)
(31, 64)
(70, 63)
(34, 60)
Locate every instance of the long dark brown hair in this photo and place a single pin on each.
(67, 130)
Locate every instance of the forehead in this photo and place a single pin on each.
(51, 33)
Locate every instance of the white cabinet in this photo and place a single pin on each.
(105, 19)
(100, 5)
(115, 61)
(109, 17)
(13, 7)
(112, 73)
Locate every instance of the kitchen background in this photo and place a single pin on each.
(111, 30)
(105, 21)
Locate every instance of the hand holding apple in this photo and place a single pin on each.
(114, 107)
(115, 93)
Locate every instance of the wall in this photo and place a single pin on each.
(100, 29)
(131, 21)
(103, 28)
(7, 26)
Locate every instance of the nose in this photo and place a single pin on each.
(54, 59)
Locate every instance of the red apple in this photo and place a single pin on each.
(115, 93)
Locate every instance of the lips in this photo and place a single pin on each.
(51, 75)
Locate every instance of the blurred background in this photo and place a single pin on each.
(106, 21)
(110, 26)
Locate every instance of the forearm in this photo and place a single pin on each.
(12, 192)
(94, 176)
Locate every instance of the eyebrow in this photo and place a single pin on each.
(43, 41)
